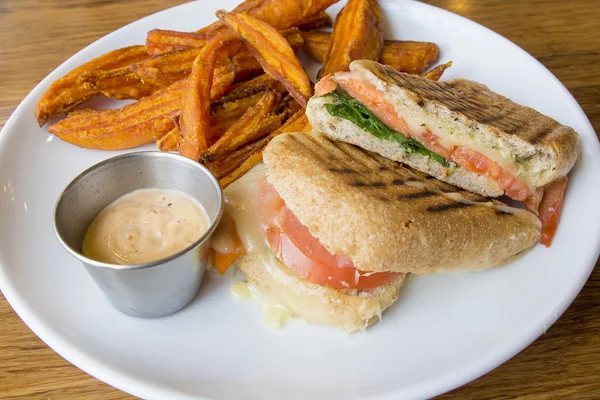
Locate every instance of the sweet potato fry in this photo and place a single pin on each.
(227, 164)
(250, 155)
(251, 126)
(66, 93)
(317, 21)
(195, 107)
(244, 7)
(123, 87)
(277, 13)
(404, 56)
(357, 35)
(304, 124)
(224, 116)
(285, 14)
(410, 57)
(169, 141)
(135, 124)
(160, 41)
(241, 170)
(165, 69)
(293, 124)
(316, 44)
(223, 77)
(273, 52)
(233, 109)
(224, 166)
(436, 73)
(246, 89)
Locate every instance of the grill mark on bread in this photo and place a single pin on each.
(365, 184)
(448, 206)
(416, 195)
(398, 182)
(475, 102)
(541, 134)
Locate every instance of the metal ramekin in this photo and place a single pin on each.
(157, 288)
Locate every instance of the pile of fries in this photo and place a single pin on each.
(220, 94)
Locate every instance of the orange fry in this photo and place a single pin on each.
(244, 7)
(317, 21)
(241, 170)
(224, 116)
(253, 152)
(295, 123)
(273, 52)
(164, 69)
(227, 164)
(224, 166)
(160, 41)
(251, 126)
(222, 261)
(404, 56)
(357, 35)
(436, 73)
(410, 57)
(246, 89)
(277, 13)
(66, 93)
(195, 107)
(135, 124)
(169, 141)
(124, 87)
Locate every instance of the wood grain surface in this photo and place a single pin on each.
(36, 36)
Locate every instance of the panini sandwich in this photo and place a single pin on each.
(458, 131)
(329, 230)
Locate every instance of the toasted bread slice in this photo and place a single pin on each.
(534, 147)
(348, 309)
(388, 217)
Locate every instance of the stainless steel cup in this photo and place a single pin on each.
(147, 290)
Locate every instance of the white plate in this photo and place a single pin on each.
(444, 331)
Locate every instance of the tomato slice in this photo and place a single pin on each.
(550, 209)
(474, 161)
(433, 142)
(304, 255)
(326, 85)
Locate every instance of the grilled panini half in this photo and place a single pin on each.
(458, 131)
(388, 217)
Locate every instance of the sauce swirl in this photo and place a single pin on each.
(143, 226)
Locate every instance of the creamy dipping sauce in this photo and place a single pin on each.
(144, 226)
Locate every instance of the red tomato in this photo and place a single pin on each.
(304, 255)
(474, 161)
(550, 209)
(432, 142)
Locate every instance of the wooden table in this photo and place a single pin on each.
(36, 36)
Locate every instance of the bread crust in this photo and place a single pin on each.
(521, 129)
(387, 217)
(350, 310)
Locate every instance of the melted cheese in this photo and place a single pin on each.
(453, 136)
(239, 204)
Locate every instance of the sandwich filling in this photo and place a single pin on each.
(352, 93)
(367, 107)
(268, 225)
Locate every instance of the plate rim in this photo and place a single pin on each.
(464, 374)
